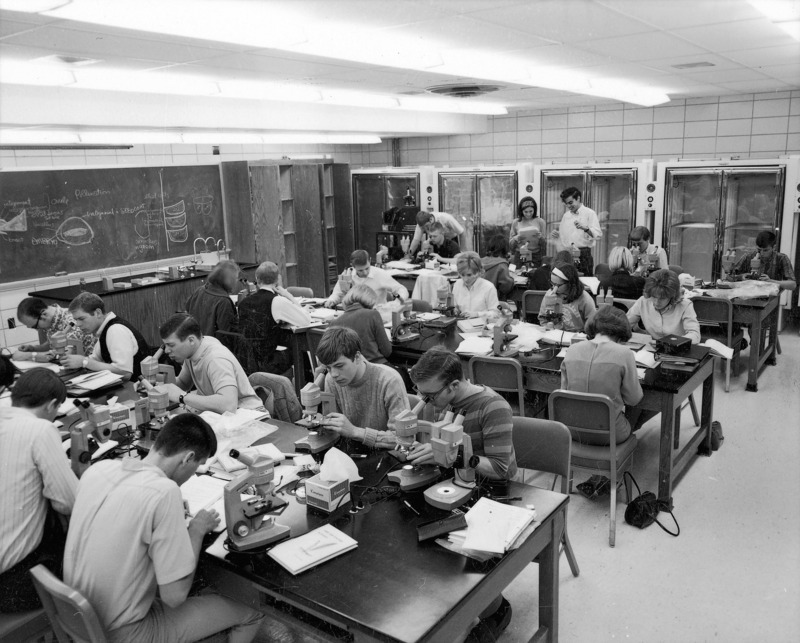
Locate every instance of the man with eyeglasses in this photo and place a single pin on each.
(33, 313)
(439, 378)
(369, 395)
(775, 266)
(361, 272)
(639, 239)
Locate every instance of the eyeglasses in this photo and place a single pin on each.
(39, 319)
(429, 397)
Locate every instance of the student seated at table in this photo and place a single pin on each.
(472, 294)
(576, 303)
(219, 380)
(368, 395)
(602, 365)
(662, 309)
(621, 281)
(495, 265)
(33, 313)
(539, 278)
(37, 482)
(639, 238)
(444, 250)
(211, 304)
(361, 272)
(120, 348)
(361, 316)
(439, 378)
(775, 266)
(452, 228)
(131, 554)
(261, 314)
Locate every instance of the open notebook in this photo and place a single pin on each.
(309, 550)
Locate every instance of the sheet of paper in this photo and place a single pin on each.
(26, 365)
(493, 527)
(645, 358)
(202, 492)
(475, 345)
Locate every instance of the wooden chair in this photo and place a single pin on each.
(531, 303)
(300, 291)
(590, 416)
(715, 315)
(545, 445)
(25, 627)
(70, 614)
(500, 374)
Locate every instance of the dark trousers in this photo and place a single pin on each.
(585, 262)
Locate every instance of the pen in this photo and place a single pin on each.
(408, 504)
(358, 455)
(380, 462)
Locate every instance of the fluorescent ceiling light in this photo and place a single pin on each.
(785, 14)
(38, 137)
(32, 6)
(13, 72)
(288, 26)
(129, 137)
(629, 92)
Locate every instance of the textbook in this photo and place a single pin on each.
(718, 348)
(309, 550)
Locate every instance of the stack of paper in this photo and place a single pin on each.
(494, 527)
(471, 325)
(645, 358)
(324, 314)
(26, 365)
(205, 492)
(93, 381)
(230, 464)
(475, 345)
(228, 422)
(559, 337)
(309, 550)
(718, 348)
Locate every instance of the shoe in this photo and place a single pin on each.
(490, 628)
(716, 436)
(594, 487)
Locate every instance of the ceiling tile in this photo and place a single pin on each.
(734, 36)
(675, 14)
(783, 54)
(641, 47)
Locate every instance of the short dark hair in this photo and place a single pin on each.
(32, 307)
(563, 257)
(766, 239)
(183, 325)
(88, 302)
(573, 192)
(359, 258)
(497, 246)
(186, 432)
(437, 227)
(424, 218)
(641, 231)
(575, 287)
(338, 341)
(609, 321)
(36, 387)
(663, 284)
(527, 202)
(437, 363)
(7, 371)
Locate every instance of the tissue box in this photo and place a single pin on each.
(326, 495)
(123, 419)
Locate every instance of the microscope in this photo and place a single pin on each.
(408, 427)
(156, 373)
(158, 405)
(96, 422)
(550, 311)
(525, 255)
(60, 345)
(755, 267)
(248, 526)
(501, 342)
(312, 397)
(453, 449)
(405, 327)
(728, 261)
(425, 250)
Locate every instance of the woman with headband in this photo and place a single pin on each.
(576, 304)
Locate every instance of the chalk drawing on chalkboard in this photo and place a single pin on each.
(75, 232)
(202, 204)
(175, 222)
(176, 208)
(144, 220)
(18, 224)
(178, 236)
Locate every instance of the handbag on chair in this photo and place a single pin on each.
(643, 510)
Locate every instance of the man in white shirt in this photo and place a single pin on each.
(261, 314)
(579, 227)
(452, 228)
(34, 476)
(639, 239)
(362, 272)
(120, 348)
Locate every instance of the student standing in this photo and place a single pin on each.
(528, 228)
(452, 228)
(579, 227)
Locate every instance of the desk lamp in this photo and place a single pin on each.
(312, 397)
(248, 526)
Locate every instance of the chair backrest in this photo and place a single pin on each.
(300, 291)
(674, 267)
(531, 303)
(243, 349)
(313, 335)
(500, 374)
(623, 304)
(587, 415)
(715, 310)
(421, 306)
(69, 612)
(280, 395)
(543, 445)
(31, 625)
(602, 270)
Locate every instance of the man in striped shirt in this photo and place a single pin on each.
(439, 378)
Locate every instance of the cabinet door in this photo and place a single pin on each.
(551, 208)
(312, 264)
(612, 195)
(497, 203)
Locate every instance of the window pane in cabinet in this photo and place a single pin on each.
(288, 216)
(286, 181)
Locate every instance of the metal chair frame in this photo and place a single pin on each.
(531, 304)
(716, 311)
(500, 374)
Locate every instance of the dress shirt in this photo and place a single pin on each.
(569, 234)
(377, 279)
(285, 310)
(482, 297)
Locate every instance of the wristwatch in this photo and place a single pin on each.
(473, 462)
(85, 362)
(180, 400)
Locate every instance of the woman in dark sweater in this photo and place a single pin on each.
(361, 316)
(621, 282)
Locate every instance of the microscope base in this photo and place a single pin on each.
(448, 496)
(410, 477)
(407, 337)
(258, 539)
(509, 352)
(317, 442)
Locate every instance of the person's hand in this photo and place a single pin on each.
(339, 423)
(764, 278)
(437, 256)
(205, 520)
(27, 348)
(329, 304)
(142, 386)
(515, 238)
(421, 454)
(554, 234)
(173, 391)
(72, 361)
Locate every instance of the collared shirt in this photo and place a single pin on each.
(482, 297)
(212, 368)
(777, 267)
(452, 229)
(569, 234)
(284, 310)
(33, 471)
(678, 319)
(377, 279)
(127, 536)
(660, 254)
(63, 322)
(122, 345)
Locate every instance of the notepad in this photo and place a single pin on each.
(493, 527)
(309, 550)
(474, 345)
(645, 358)
(718, 348)
(93, 381)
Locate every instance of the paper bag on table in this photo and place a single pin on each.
(337, 466)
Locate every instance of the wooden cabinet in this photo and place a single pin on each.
(289, 212)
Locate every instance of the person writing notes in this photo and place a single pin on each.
(472, 294)
(663, 310)
(361, 272)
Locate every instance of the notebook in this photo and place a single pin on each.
(493, 527)
(309, 550)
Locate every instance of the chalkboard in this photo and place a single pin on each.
(76, 220)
